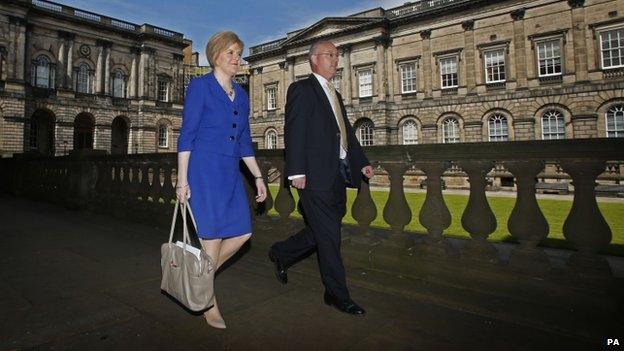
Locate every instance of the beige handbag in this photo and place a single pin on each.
(187, 272)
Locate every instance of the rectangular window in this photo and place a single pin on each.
(448, 72)
(549, 57)
(494, 61)
(408, 77)
(271, 94)
(163, 90)
(612, 48)
(365, 82)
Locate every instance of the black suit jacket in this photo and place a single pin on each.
(312, 137)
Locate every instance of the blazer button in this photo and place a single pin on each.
(233, 125)
(231, 137)
(235, 112)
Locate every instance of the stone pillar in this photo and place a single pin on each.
(364, 210)
(578, 41)
(107, 71)
(427, 67)
(260, 103)
(469, 56)
(61, 67)
(382, 86)
(252, 94)
(99, 66)
(347, 74)
(133, 78)
(18, 59)
(396, 212)
(519, 47)
(282, 87)
(69, 79)
(390, 69)
(143, 90)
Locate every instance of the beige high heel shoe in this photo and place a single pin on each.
(213, 317)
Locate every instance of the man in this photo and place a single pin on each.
(323, 157)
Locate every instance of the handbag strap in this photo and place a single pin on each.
(173, 221)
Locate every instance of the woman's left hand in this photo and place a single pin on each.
(262, 190)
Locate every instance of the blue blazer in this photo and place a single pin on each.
(213, 123)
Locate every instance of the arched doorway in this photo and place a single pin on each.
(83, 131)
(41, 132)
(119, 137)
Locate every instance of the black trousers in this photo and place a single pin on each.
(322, 212)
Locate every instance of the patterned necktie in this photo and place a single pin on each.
(338, 115)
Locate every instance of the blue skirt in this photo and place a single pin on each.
(218, 196)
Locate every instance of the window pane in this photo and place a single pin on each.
(498, 128)
(408, 77)
(615, 121)
(612, 47)
(450, 130)
(410, 132)
(365, 133)
(365, 79)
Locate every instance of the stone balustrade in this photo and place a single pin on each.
(142, 186)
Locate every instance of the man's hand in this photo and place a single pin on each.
(299, 182)
(368, 172)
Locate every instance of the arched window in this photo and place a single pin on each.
(42, 72)
(83, 79)
(410, 132)
(497, 128)
(615, 121)
(119, 84)
(450, 131)
(270, 139)
(365, 133)
(553, 125)
(163, 135)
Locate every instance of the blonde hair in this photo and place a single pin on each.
(219, 43)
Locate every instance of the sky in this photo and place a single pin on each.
(255, 21)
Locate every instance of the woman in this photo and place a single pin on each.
(214, 137)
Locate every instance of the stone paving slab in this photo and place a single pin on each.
(80, 281)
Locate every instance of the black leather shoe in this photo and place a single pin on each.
(347, 306)
(280, 270)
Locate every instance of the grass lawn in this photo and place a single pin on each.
(555, 212)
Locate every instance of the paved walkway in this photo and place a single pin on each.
(78, 281)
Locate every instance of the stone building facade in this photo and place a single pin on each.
(73, 79)
(444, 71)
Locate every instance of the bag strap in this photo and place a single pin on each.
(173, 221)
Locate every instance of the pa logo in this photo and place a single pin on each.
(613, 342)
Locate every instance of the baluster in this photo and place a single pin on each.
(527, 222)
(168, 191)
(364, 210)
(478, 218)
(585, 226)
(434, 215)
(284, 201)
(265, 166)
(396, 211)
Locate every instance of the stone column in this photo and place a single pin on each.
(70, 64)
(469, 56)
(578, 42)
(347, 74)
(18, 58)
(143, 90)
(252, 94)
(98, 71)
(132, 79)
(107, 71)
(61, 68)
(282, 87)
(382, 86)
(519, 47)
(426, 55)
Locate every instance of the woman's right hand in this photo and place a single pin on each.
(183, 192)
